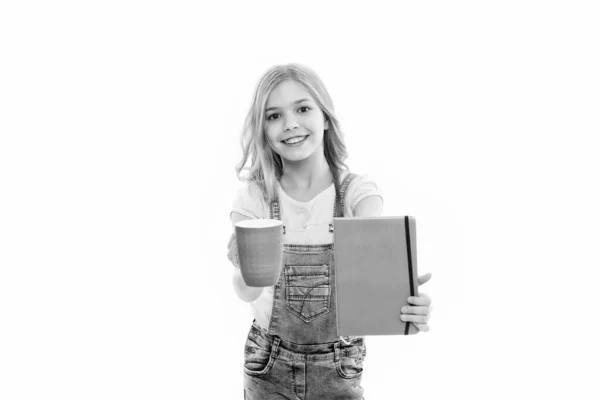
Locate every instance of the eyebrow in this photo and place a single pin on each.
(296, 102)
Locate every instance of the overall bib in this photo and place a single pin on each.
(300, 355)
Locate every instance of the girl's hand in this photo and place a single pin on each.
(232, 251)
(246, 293)
(419, 313)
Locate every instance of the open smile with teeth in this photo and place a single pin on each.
(295, 139)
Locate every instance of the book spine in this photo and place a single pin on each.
(410, 266)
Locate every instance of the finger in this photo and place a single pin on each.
(231, 240)
(422, 327)
(422, 310)
(424, 278)
(236, 260)
(233, 256)
(421, 319)
(421, 300)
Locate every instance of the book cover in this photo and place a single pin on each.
(376, 271)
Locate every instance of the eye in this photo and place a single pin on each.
(273, 117)
(304, 109)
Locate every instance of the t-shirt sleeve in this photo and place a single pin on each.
(361, 186)
(249, 202)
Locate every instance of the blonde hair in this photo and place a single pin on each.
(266, 166)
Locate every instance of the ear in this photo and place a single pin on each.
(326, 125)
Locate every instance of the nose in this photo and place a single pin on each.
(290, 123)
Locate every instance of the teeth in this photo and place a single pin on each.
(295, 140)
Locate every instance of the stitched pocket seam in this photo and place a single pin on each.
(308, 299)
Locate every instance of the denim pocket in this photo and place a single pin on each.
(257, 358)
(307, 290)
(351, 365)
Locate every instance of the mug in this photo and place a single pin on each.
(260, 250)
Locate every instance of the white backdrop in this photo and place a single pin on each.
(120, 125)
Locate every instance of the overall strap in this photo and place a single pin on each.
(275, 211)
(349, 178)
(340, 199)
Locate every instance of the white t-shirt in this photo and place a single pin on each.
(305, 222)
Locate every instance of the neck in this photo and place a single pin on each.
(306, 174)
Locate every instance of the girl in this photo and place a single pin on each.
(297, 174)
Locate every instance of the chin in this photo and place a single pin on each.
(295, 158)
(298, 156)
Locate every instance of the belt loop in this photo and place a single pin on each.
(336, 347)
(343, 340)
(275, 347)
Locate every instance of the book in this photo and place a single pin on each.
(376, 272)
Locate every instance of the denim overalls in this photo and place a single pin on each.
(300, 356)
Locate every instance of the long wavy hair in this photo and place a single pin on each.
(265, 166)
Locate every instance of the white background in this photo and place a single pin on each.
(120, 125)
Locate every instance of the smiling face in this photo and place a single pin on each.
(294, 123)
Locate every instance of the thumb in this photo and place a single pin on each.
(424, 278)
